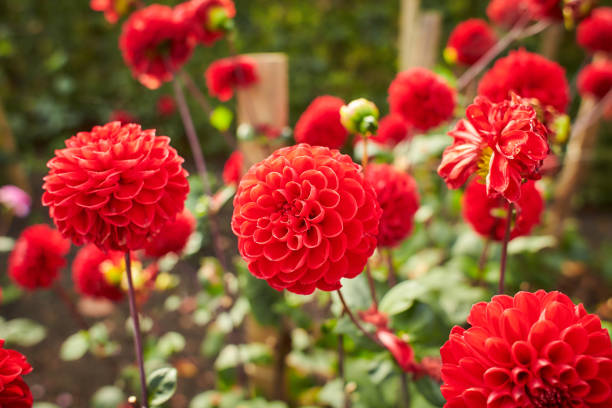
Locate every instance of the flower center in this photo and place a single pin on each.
(551, 398)
(483, 162)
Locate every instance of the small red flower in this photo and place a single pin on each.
(14, 392)
(398, 197)
(392, 130)
(122, 116)
(488, 215)
(594, 32)
(233, 168)
(198, 14)
(113, 9)
(595, 79)
(115, 186)
(504, 141)
(173, 236)
(401, 351)
(469, 41)
(320, 123)
(37, 257)
(528, 75)
(166, 106)
(155, 43)
(305, 218)
(227, 74)
(506, 13)
(545, 9)
(422, 98)
(533, 350)
(93, 275)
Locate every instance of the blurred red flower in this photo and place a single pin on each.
(122, 116)
(503, 142)
(528, 75)
(401, 351)
(115, 186)
(595, 79)
(305, 218)
(392, 130)
(37, 257)
(173, 236)
(595, 32)
(469, 41)
(93, 275)
(506, 13)
(166, 105)
(14, 392)
(227, 74)
(531, 350)
(422, 98)
(545, 9)
(200, 16)
(320, 123)
(488, 215)
(398, 196)
(233, 168)
(155, 43)
(113, 9)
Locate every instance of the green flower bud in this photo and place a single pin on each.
(360, 116)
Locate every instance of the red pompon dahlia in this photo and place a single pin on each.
(320, 123)
(233, 168)
(398, 196)
(227, 74)
(506, 13)
(208, 19)
(305, 218)
(37, 257)
(422, 98)
(503, 142)
(173, 236)
(545, 9)
(528, 75)
(392, 130)
(154, 44)
(115, 186)
(488, 215)
(469, 41)
(533, 350)
(14, 392)
(166, 106)
(595, 32)
(94, 273)
(595, 79)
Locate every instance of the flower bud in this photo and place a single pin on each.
(360, 116)
(219, 20)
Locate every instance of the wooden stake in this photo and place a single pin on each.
(419, 41)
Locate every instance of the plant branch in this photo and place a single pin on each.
(356, 322)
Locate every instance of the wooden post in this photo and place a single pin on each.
(551, 40)
(420, 32)
(13, 170)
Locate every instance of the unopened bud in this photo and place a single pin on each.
(360, 116)
(219, 20)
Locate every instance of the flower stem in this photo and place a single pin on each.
(136, 326)
(504, 254)
(405, 390)
(364, 157)
(74, 312)
(355, 321)
(483, 260)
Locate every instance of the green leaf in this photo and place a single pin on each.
(161, 385)
(333, 393)
(221, 118)
(430, 390)
(401, 297)
(23, 332)
(232, 355)
(44, 405)
(75, 346)
(531, 244)
(170, 343)
(107, 397)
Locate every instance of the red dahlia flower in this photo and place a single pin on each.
(166, 105)
(596, 79)
(469, 41)
(392, 130)
(115, 186)
(506, 13)
(37, 257)
(398, 197)
(305, 218)
(488, 215)
(14, 392)
(233, 168)
(528, 75)
(173, 236)
(320, 123)
(595, 32)
(422, 98)
(155, 43)
(545, 9)
(504, 141)
(533, 350)
(94, 273)
(112, 9)
(401, 351)
(207, 18)
(227, 74)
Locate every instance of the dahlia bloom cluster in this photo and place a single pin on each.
(469, 41)
(595, 79)
(320, 123)
(531, 350)
(305, 218)
(38, 256)
(503, 142)
(594, 32)
(233, 168)
(115, 186)
(422, 98)
(393, 129)
(173, 236)
(506, 13)
(14, 392)
(227, 74)
(208, 19)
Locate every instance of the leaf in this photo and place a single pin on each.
(232, 355)
(161, 385)
(356, 293)
(401, 297)
(170, 343)
(430, 390)
(75, 346)
(23, 332)
(44, 405)
(531, 244)
(333, 393)
(221, 118)
(107, 397)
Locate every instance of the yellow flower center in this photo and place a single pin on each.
(483, 162)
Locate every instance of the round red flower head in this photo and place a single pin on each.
(166, 106)
(227, 74)
(305, 218)
(533, 350)
(398, 197)
(528, 75)
(209, 20)
(469, 41)
(173, 236)
(233, 168)
(545, 9)
(113, 9)
(115, 186)
(488, 215)
(392, 129)
(594, 32)
(506, 13)
(37, 257)
(595, 79)
(503, 142)
(422, 98)
(14, 392)
(320, 123)
(154, 44)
